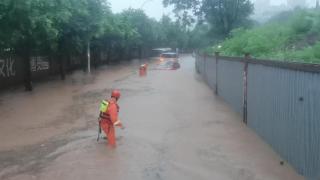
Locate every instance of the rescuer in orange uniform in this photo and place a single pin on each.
(110, 119)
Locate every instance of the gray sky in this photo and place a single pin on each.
(155, 9)
(279, 2)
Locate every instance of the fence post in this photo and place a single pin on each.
(204, 67)
(217, 54)
(245, 89)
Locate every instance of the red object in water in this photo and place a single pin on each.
(143, 70)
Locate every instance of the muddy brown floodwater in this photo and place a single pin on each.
(175, 129)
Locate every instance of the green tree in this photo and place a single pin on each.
(84, 25)
(27, 26)
(198, 37)
(119, 37)
(222, 15)
(139, 21)
(66, 28)
(173, 33)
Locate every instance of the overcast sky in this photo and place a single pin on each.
(155, 9)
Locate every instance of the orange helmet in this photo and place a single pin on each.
(116, 94)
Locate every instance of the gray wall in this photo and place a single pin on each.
(283, 104)
(11, 71)
(200, 65)
(230, 83)
(284, 108)
(211, 71)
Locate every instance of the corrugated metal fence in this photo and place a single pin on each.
(279, 100)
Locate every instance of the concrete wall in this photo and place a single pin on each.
(11, 71)
(12, 67)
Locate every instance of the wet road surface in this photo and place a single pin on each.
(175, 129)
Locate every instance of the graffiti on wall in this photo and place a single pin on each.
(39, 63)
(7, 67)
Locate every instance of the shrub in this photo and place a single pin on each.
(293, 40)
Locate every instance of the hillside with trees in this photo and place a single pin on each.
(290, 36)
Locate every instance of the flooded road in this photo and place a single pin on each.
(175, 129)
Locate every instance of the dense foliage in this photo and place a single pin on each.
(289, 36)
(65, 28)
(222, 15)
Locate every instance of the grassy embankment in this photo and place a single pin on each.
(289, 36)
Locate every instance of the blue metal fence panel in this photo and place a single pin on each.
(197, 63)
(211, 71)
(284, 109)
(200, 64)
(230, 82)
(283, 106)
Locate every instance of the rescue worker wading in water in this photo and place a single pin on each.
(109, 110)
